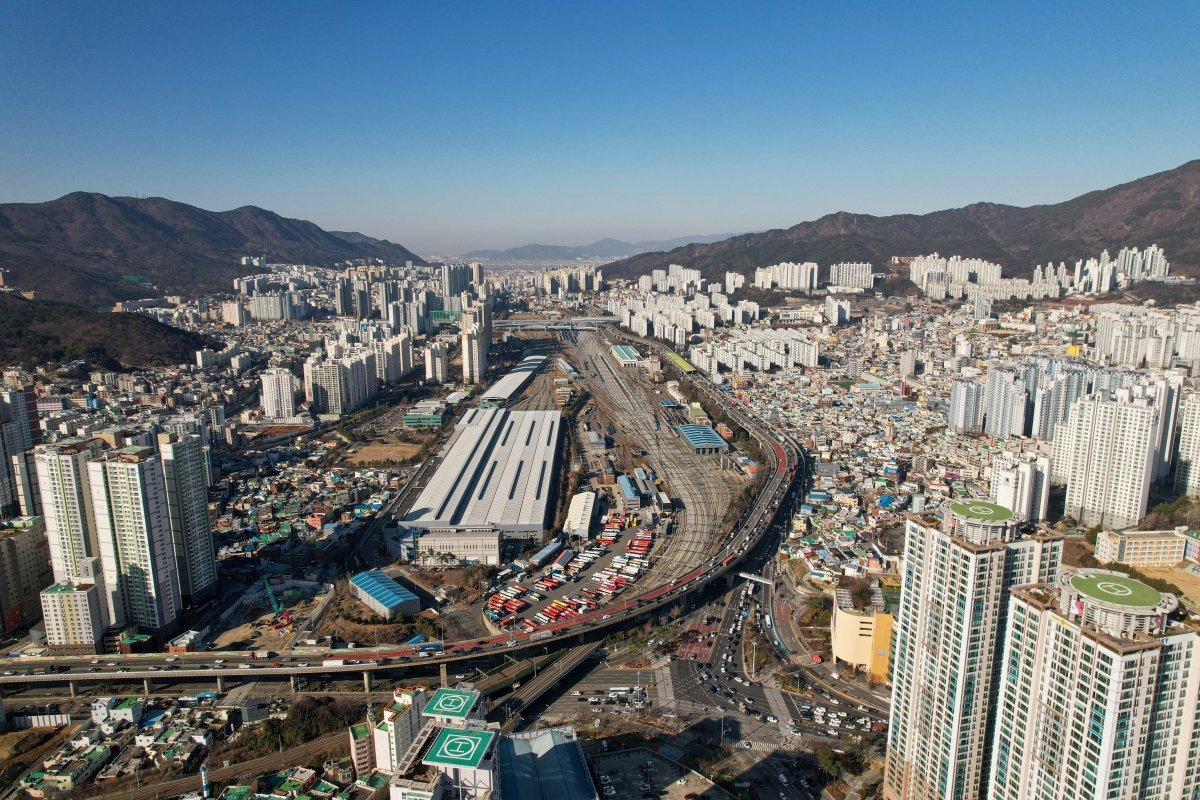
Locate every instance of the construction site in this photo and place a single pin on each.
(271, 614)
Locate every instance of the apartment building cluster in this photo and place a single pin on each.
(1109, 433)
(1015, 677)
(571, 280)
(675, 279)
(955, 277)
(128, 532)
(674, 317)
(762, 349)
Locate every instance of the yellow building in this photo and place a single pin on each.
(862, 639)
(1142, 548)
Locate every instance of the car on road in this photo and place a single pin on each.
(772, 718)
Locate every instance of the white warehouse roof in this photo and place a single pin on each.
(580, 513)
(514, 381)
(498, 474)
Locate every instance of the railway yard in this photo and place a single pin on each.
(650, 547)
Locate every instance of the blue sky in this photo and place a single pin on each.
(450, 128)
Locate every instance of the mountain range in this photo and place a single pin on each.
(604, 248)
(1161, 209)
(93, 249)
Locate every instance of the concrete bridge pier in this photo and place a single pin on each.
(366, 681)
(220, 685)
(292, 679)
(74, 687)
(146, 686)
(445, 675)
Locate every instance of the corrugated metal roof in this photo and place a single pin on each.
(382, 588)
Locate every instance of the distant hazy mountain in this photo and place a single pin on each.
(605, 248)
(1162, 208)
(93, 249)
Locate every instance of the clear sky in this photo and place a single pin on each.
(454, 126)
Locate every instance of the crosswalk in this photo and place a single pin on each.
(666, 689)
(778, 706)
(761, 747)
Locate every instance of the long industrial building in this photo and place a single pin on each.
(497, 476)
(505, 389)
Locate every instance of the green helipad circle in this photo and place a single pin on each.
(981, 511)
(1117, 589)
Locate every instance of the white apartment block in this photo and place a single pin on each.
(234, 313)
(1099, 694)
(837, 312)
(74, 613)
(277, 397)
(397, 728)
(437, 363)
(133, 528)
(966, 406)
(948, 634)
(186, 476)
(66, 496)
(1107, 452)
(340, 383)
(1021, 482)
(787, 275)
(853, 275)
(474, 356)
(1007, 401)
(1187, 468)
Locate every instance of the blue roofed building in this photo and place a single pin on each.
(383, 595)
(545, 764)
(625, 355)
(629, 498)
(703, 439)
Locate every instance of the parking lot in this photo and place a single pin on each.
(537, 599)
(637, 774)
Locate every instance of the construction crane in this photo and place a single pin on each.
(275, 606)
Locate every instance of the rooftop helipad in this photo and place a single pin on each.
(454, 703)
(981, 511)
(1117, 589)
(458, 748)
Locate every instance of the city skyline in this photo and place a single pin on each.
(414, 125)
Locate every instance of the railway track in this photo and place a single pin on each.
(703, 494)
